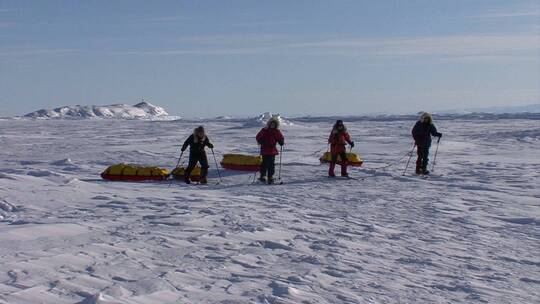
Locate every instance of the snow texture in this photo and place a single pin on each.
(470, 233)
(142, 110)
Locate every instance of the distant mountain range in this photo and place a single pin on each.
(533, 108)
(142, 110)
(146, 110)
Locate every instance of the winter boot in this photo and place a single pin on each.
(270, 180)
(187, 180)
(331, 170)
(425, 170)
(262, 179)
(344, 170)
(419, 165)
(203, 181)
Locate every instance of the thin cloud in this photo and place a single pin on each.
(464, 46)
(7, 10)
(260, 23)
(508, 15)
(473, 45)
(210, 51)
(22, 50)
(234, 39)
(532, 11)
(164, 20)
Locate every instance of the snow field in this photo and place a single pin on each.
(468, 234)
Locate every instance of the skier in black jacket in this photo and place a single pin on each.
(422, 132)
(197, 142)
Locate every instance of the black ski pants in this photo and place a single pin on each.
(423, 158)
(194, 158)
(268, 165)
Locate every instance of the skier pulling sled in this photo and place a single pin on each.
(422, 132)
(268, 138)
(197, 142)
(338, 140)
(353, 159)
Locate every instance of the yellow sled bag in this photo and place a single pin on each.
(352, 159)
(128, 172)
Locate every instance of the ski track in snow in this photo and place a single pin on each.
(468, 234)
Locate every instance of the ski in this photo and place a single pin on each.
(345, 178)
(419, 176)
(258, 182)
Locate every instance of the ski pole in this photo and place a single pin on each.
(177, 164)
(280, 155)
(179, 159)
(408, 161)
(435, 157)
(217, 166)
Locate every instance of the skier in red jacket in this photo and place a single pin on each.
(339, 138)
(268, 138)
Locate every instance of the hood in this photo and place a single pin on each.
(426, 117)
(335, 130)
(271, 120)
(196, 137)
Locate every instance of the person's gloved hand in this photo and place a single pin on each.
(211, 146)
(440, 135)
(352, 144)
(281, 143)
(183, 149)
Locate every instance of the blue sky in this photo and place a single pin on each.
(209, 58)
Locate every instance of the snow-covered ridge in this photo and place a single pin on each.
(532, 108)
(263, 118)
(413, 117)
(142, 110)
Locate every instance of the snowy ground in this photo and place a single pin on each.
(468, 234)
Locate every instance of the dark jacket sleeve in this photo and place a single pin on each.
(433, 131)
(208, 143)
(280, 138)
(416, 132)
(188, 142)
(259, 137)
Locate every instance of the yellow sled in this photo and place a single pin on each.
(179, 173)
(241, 162)
(352, 159)
(129, 172)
